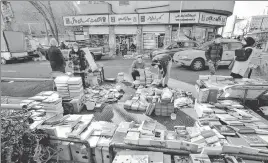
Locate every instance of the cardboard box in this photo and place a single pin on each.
(79, 152)
(65, 153)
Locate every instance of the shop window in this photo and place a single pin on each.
(235, 45)
(98, 40)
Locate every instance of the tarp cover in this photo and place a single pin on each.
(15, 41)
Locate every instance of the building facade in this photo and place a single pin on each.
(149, 24)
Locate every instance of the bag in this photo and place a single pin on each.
(240, 55)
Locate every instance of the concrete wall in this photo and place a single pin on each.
(102, 8)
(135, 5)
(220, 7)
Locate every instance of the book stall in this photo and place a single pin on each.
(225, 131)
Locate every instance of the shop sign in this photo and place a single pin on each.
(154, 18)
(123, 19)
(86, 20)
(212, 19)
(184, 18)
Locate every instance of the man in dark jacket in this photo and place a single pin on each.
(214, 54)
(164, 63)
(55, 57)
(78, 62)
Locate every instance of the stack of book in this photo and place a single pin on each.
(142, 77)
(148, 77)
(61, 83)
(53, 104)
(75, 87)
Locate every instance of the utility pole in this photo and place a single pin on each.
(180, 22)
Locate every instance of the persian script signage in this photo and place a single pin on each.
(154, 18)
(124, 19)
(184, 18)
(86, 20)
(212, 19)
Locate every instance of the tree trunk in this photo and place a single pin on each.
(53, 20)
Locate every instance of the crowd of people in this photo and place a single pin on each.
(163, 62)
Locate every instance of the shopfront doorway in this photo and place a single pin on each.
(153, 40)
(129, 40)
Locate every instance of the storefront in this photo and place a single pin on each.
(195, 25)
(148, 31)
(153, 29)
(98, 36)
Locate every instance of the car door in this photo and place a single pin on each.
(229, 52)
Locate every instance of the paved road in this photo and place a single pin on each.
(111, 67)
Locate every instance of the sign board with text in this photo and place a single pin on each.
(154, 18)
(184, 18)
(212, 19)
(86, 20)
(124, 19)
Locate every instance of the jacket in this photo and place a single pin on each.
(79, 61)
(241, 67)
(162, 60)
(214, 52)
(56, 59)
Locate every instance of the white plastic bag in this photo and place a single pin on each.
(167, 94)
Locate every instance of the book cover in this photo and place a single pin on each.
(225, 130)
(254, 140)
(243, 129)
(237, 141)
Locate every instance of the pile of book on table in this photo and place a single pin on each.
(69, 87)
(47, 103)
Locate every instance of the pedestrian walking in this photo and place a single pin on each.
(164, 63)
(137, 65)
(55, 57)
(214, 54)
(242, 58)
(78, 62)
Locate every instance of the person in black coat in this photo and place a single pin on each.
(55, 57)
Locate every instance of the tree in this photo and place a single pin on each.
(46, 11)
(243, 27)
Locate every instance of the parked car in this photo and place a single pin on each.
(98, 52)
(196, 60)
(175, 47)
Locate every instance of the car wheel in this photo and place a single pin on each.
(198, 64)
(98, 57)
(3, 61)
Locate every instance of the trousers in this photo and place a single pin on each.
(164, 80)
(213, 67)
(82, 75)
(134, 74)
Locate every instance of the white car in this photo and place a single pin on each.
(196, 60)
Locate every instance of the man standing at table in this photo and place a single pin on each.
(214, 54)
